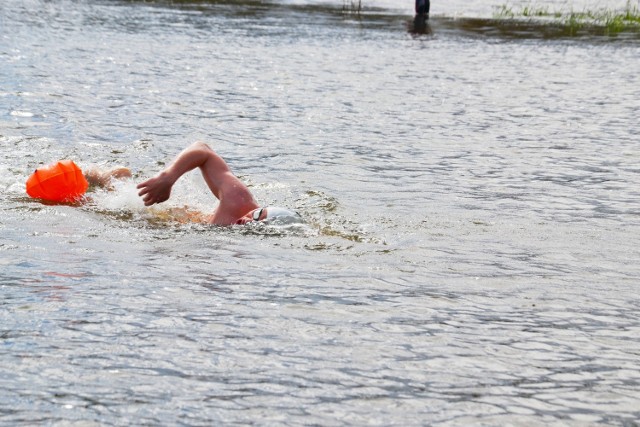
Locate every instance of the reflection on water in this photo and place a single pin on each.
(420, 25)
(470, 192)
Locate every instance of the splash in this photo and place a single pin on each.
(122, 196)
(10, 181)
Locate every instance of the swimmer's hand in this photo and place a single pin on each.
(156, 189)
(103, 178)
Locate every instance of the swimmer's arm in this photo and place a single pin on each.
(198, 155)
(103, 178)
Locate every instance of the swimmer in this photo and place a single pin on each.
(237, 205)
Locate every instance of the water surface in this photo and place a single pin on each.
(471, 248)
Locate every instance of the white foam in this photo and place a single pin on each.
(123, 196)
(10, 182)
(22, 113)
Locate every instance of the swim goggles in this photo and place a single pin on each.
(257, 213)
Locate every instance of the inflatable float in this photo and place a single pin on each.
(61, 181)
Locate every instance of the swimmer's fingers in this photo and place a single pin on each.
(154, 191)
(150, 198)
(143, 187)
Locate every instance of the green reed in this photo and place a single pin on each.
(611, 21)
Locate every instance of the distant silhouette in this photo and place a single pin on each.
(422, 8)
(419, 25)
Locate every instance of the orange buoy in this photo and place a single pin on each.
(62, 181)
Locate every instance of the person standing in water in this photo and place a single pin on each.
(237, 204)
(422, 8)
(420, 23)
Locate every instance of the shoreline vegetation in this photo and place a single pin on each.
(352, 6)
(610, 22)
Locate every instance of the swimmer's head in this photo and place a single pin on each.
(282, 216)
(272, 215)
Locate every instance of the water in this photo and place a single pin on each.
(471, 249)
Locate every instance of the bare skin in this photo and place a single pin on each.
(236, 201)
(102, 178)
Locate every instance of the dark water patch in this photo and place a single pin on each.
(525, 29)
(258, 17)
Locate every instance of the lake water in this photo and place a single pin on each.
(471, 254)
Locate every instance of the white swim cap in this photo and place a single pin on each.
(276, 215)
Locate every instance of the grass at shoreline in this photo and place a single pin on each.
(611, 21)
